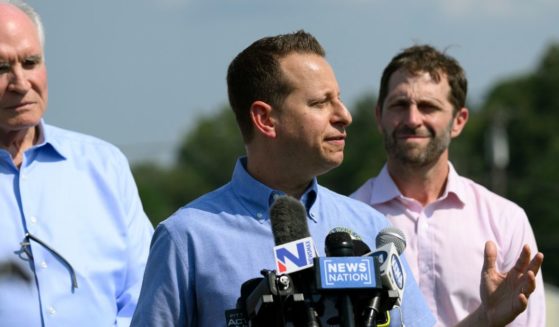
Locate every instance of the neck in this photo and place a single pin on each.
(424, 184)
(17, 142)
(277, 174)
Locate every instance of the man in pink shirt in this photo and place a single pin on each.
(448, 219)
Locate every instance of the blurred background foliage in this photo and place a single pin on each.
(524, 108)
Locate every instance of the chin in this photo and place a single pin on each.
(21, 124)
(333, 163)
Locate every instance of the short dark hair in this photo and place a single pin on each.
(255, 74)
(425, 58)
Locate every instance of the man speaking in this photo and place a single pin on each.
(287, 104)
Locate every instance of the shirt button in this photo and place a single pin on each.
(51, 310)
(33, 219)
(43, 264)
(23, 177)
(259, 215)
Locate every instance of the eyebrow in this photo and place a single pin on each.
(35, 57)
(404, 99)
(398, 100)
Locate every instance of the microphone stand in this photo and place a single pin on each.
(371, 311)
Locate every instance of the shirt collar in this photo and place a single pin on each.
(454, 185)
(47, 144)
(259, 197)
(385, 189)
(47, 137)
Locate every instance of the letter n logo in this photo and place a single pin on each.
(294, 256)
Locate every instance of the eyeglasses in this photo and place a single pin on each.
(26, 247)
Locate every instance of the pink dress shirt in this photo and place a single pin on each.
(446, 239)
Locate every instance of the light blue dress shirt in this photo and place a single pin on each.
(76, 194)
(201, 255)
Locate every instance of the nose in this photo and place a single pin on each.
(412, 117)
(341, 116)
(18, 80)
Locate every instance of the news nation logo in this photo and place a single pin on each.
(347, 272)
(294, 256)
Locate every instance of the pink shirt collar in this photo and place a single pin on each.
(386, 190)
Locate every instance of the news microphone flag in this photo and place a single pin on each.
(392, 271)
(294, 256)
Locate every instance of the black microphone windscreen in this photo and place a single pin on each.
(354, 235)
(392, 235)
(339, 244)
(289, 220)
(360, 248)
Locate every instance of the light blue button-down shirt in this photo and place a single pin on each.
(201, 255)
(76, 194)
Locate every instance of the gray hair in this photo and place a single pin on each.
(32, 14)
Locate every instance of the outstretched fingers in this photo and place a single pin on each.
(527, 273)
(523, 260)
(536, 263)
(490, 257)
(528, 283)
(506, 294)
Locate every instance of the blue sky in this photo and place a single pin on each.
(140, 73)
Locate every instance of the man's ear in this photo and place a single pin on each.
(261, 115)
(459, 121)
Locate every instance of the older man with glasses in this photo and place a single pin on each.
(74, 237)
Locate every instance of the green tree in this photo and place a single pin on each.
(530, 105)
(205, 161)
(211, 149)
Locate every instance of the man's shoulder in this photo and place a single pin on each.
(73, 143)
(481, 194)
(57, 133)
(328, 193)
(364, 192)
(346, 202)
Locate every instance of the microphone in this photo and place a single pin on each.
(360, 248)
(390, 243)
(261, 299)
(238, 317)
(289, 220)
(340, 244)
(294, 248)
(392, 235)
(354, 235)
(294, 252)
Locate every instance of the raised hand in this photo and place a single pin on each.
(504, 295)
